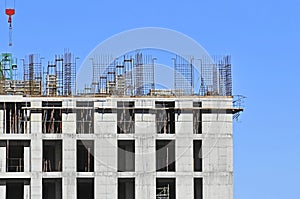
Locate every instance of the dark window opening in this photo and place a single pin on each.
(52, 188)
(16, 117)
(125, 117)
(197, 151)
(198, 188)
(85, 188)
(197, 118)
(85, 156)
(165, 117)
(126, 188)
(165, 188)
(15, 155)
(126, 155)
(52, 156)
(165, 155)
(85, 117)
(15, 188)
(52, 117)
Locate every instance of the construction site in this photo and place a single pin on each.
(124, 134)
(120, 137)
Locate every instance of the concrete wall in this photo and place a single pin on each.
(26, 191)
(2, 191)
(145, 155)
(36, 152)
(69, 151)
(1, 121)
(27, 159)
(105, 152)
(216, 150)
(2, 159)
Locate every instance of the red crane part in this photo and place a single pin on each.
(10, 12)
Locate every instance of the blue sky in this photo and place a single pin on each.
(261, 35)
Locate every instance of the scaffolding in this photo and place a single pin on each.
(132, 74)
(69, 75)
(8, 68)
(52, 117)
(144, 74)
(33, 74)
(128, 75)
(183, 75)
(61, 75)
(163, 192)
(215, 76)
(16, 119)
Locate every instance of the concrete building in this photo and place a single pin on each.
(111, 144)
(187, 155)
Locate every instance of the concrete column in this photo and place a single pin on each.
(217, 152)
(36, 119)
(36, 152)
(1, 121)
(36, 167)
(69, 186)
(184, 152)
(145, 185)
(3, 191)
(106, 185)
(145, 155)
(105, 155)
(184, 186)
(36, 186)
(26, 159)
(69, 161)
(69, 118)
(106, 167)
(2, 159)
(184, 143)
(26, 191)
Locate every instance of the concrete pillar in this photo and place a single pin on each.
(36, 119)
(1, 121)
(184, 186)
(105, 154)
(2, 191)
(69, 159)
(27, 124)
(36, 186)
(69, 186)
(106, 167)
(26, 159)
(36, 167)
(69, 118)
(106, 185)
(145, 131)
(36, 152)
(2, 159)
(69, 150)
(184, 143)
(26, 191)
(217, 152)
(184, 151)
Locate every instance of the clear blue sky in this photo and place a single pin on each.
(263, 37)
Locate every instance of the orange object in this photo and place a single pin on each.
(10, 12)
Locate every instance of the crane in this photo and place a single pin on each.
(10, 11)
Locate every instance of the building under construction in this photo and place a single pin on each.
(119, 137)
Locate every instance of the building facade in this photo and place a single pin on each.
(150, 147)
